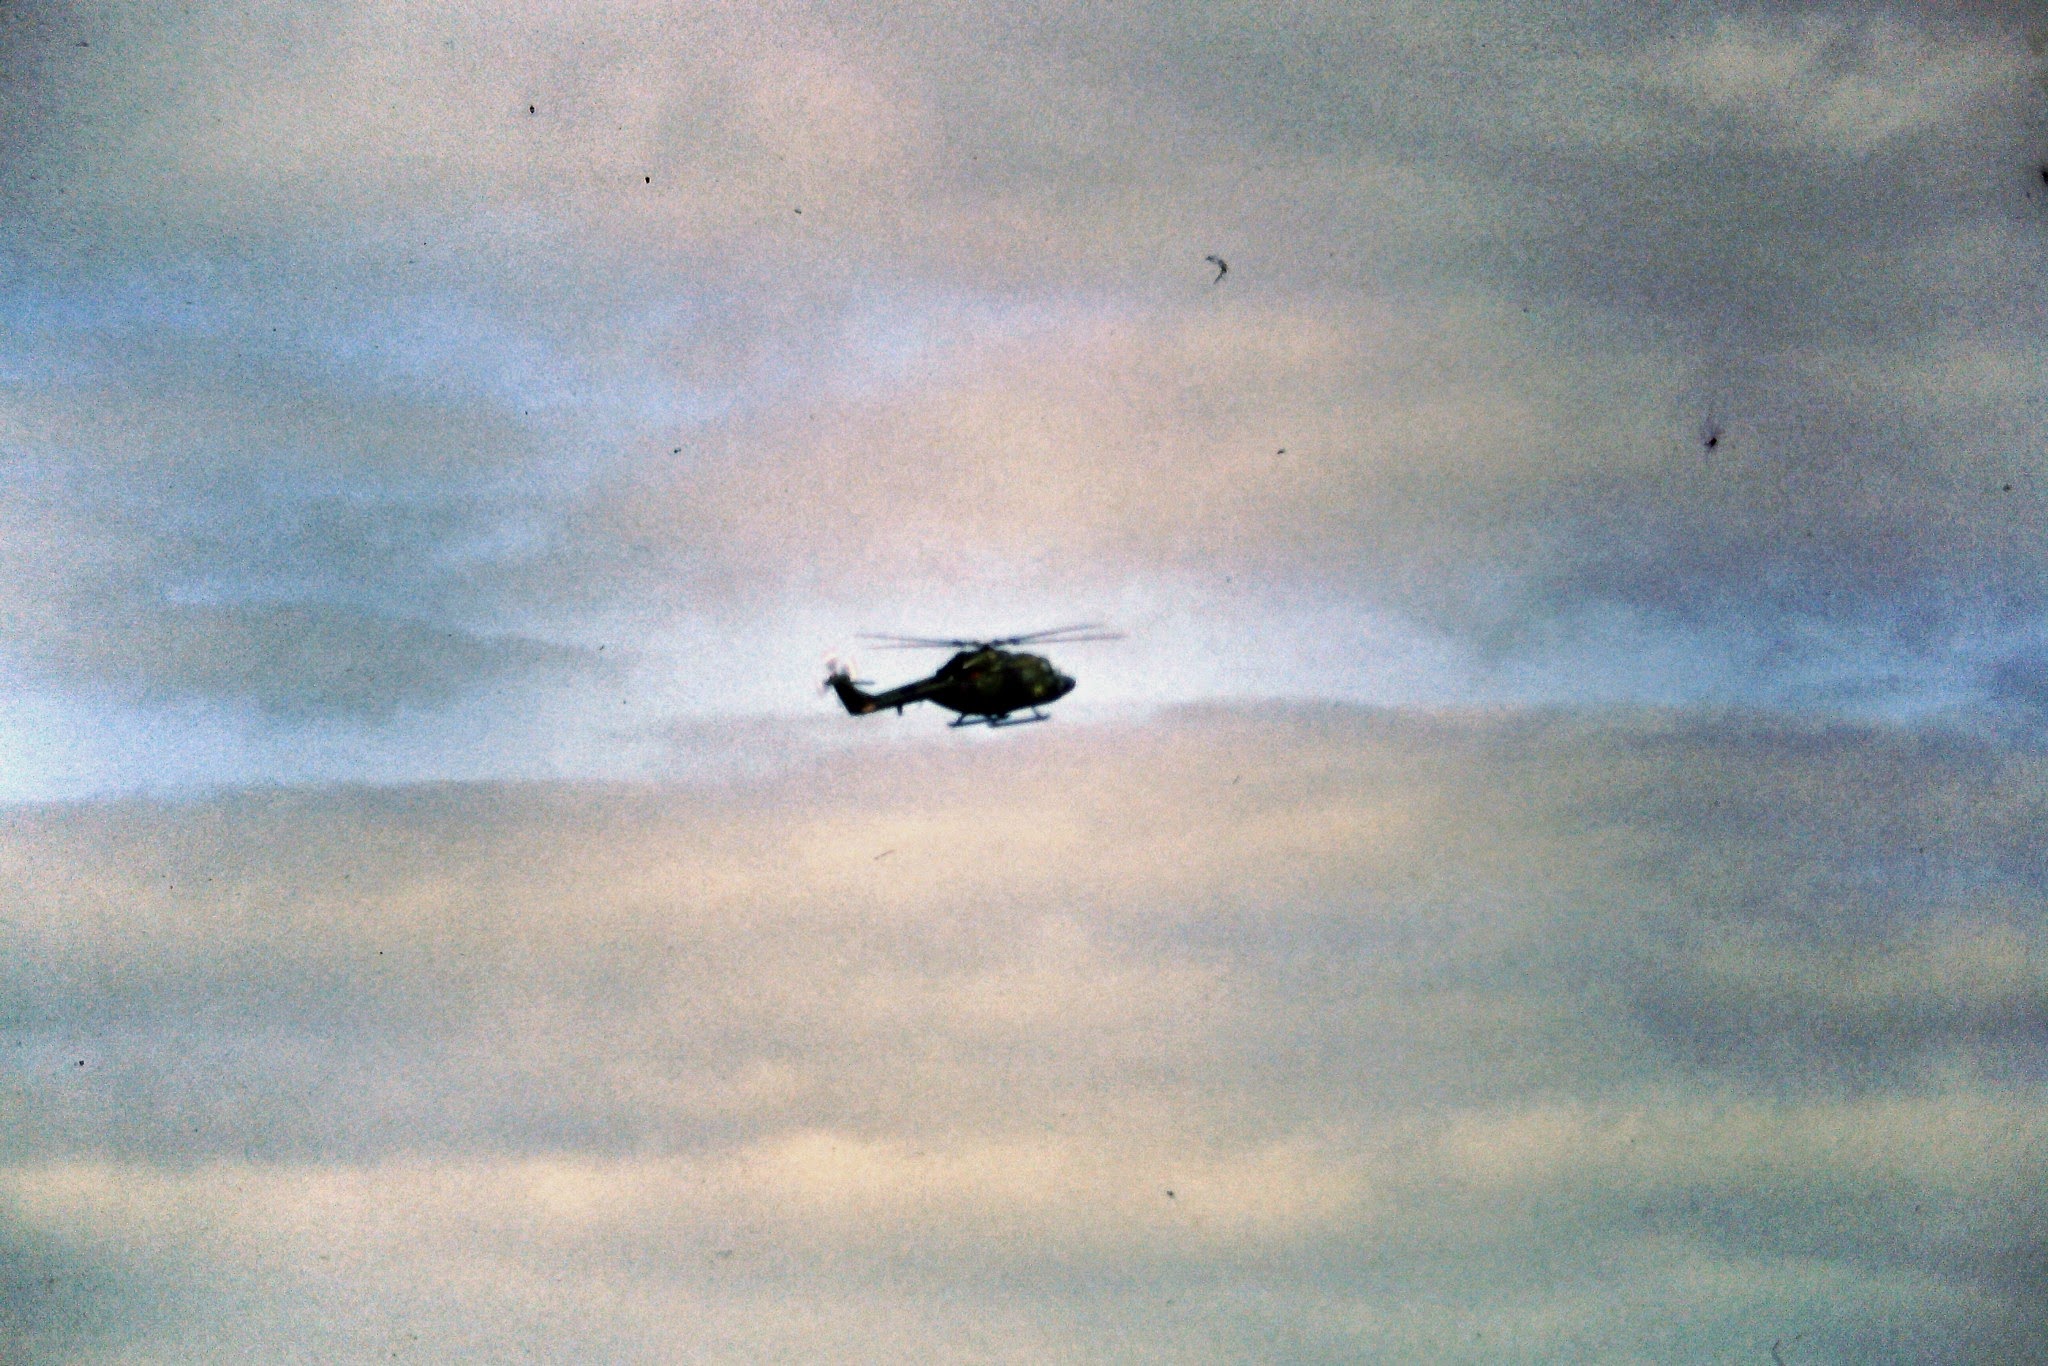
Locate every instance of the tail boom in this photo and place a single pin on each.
(858, 703)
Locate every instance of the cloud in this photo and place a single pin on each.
(1476, 1012)
(367, 368)
(291, 661)
(1840, 88)
(1489, 279)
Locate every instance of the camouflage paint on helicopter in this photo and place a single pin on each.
(984, 682)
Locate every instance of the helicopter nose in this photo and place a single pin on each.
(1062, 685)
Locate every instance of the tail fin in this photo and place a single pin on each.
(857, 702)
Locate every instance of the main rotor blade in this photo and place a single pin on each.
(922, 642)
(1064, 635)
(1058, 635)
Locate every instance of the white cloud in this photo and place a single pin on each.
(1476, 1012)
(1839, 87)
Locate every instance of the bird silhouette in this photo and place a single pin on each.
(1222, 268)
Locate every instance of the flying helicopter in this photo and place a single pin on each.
(984, 682)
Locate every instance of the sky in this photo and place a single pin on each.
(1550, 869)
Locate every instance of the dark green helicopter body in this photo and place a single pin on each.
(984, 683)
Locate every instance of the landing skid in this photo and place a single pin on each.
(998, 722)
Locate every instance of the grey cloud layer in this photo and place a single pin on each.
(357, 360)
(822, 304)
(1457, 1037)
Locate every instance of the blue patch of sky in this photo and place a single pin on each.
(425, 341)
(443, 341)
(875, 341)
(513, 535)
(491, 511)
(412, 340)
(200, 294)
(65, 748)
(650, 389)
(620, 726)
(414, 552)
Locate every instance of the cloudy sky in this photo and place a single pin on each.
(1554, 869)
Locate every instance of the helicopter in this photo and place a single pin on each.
(984, 682)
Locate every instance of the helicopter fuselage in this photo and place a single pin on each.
(983, 685)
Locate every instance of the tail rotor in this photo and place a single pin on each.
(837, 670)
(839, 679)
